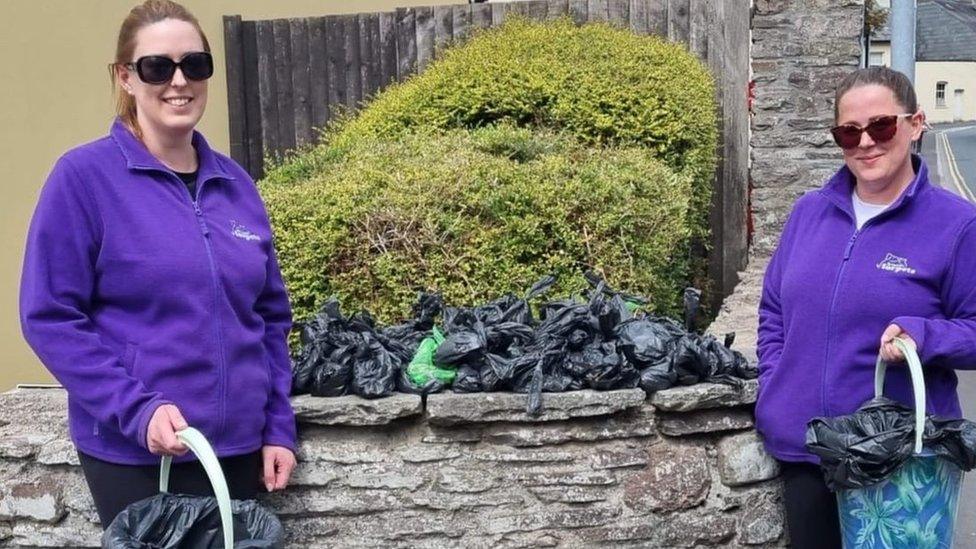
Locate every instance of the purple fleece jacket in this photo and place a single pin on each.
(831, 290)
(134, 294)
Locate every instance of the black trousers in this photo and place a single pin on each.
(114, 486)
(811, 509)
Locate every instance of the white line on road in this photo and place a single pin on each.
(959, 129)
(955, 175)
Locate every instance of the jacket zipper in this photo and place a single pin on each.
(830, 315)
(840, 275)
(218, 329)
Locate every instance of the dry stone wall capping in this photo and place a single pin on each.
(681, 469)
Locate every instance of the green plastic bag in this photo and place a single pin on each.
(422, 368)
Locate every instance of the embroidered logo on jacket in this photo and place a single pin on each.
(895, 264)
(242, 232)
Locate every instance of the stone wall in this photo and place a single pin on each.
(683, 469)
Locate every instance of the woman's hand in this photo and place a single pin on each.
(279, 462)
(161, 434)
(889, 352)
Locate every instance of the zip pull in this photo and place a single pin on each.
(203, 224)
(850, 245)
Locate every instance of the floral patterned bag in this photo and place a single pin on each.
(916, 506)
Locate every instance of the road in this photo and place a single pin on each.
(950, 152)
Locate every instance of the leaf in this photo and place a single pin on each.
(932, 491)
(893, 506)
(933, 523)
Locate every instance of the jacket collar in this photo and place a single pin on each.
(839, 188)
(138, 157)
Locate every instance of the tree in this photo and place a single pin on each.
(875, 17)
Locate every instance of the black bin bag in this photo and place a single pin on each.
(173, 521)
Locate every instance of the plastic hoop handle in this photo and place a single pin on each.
(918, 385)
(197, 443)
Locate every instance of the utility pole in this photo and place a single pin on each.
(903, 37)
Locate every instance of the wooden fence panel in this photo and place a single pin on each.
(237, 126)
(318, 71)
(268, 88)
(698, 26)
(678, 20)
(537, 10)
(300, 81)
(639, 16)
(354, 82)
(461, 21)
(252, 101)
(288, 77)
(598, 11)
(406, 29)
(657, 17)
(716, 61)
(619, 12)
(443, 26)
(388, 48)
(557, 9)
(579, 11)
(285, 95)
(370, 53)
(518, 8)
(481, 16)
(735, 204)
(335, 38)
(499, 12)
(425, 37)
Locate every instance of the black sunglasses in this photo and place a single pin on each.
(881, 129)
(159, 69)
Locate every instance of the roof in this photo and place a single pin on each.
(945, 30)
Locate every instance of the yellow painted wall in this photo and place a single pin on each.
(957, 75)
(55, 94)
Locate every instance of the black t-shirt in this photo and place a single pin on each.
(190, 180)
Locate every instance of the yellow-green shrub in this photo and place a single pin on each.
(474, 213)
(612, 169)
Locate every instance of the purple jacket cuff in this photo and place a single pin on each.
(145, 416)
(915, 327)
(284, 441)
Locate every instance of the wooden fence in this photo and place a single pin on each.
(287, 77)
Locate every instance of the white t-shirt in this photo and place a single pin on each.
(864, 211)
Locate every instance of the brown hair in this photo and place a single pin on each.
(898, 83)
(145, 14)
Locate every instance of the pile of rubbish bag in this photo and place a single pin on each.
(594, 340)
(864, 448)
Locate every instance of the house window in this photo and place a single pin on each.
(877, 59)
(940, 94)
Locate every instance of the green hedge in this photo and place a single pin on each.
(473, 214)
(612, 169)
(601, 84)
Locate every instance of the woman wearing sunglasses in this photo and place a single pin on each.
(878, 252)
(150, 287)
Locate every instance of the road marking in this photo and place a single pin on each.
(954, 166)
(942, 155)
(959, 129)
(955, 175)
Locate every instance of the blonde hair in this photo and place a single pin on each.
(145, 14)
